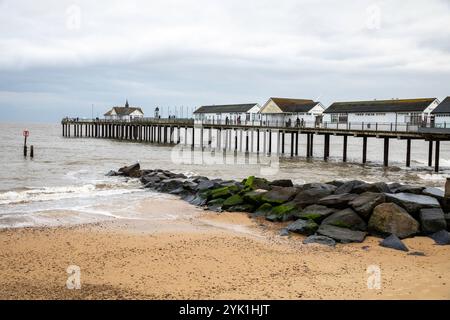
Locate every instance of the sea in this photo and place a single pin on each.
(66, 183)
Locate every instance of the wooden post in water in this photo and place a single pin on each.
(31, 152)
(430, 153)
(386, 152)
(364, 156)
(408, 152)
(326, 147)
(344, 151)
(235, 140)
(193, 138)
(311, 146)
(246, 142)
(270, 142)
(296, 143)
(257, 140)
(436, 156)
(308, 145)
(282, 142)
(292, 144)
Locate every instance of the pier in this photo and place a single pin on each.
(243, 136)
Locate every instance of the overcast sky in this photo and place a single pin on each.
(57, 58)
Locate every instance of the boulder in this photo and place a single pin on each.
(346, 218)
(324, 186)
(336, 183)
(412, 202)
(150, 181)
(343, 235)
(263, 210)
(366, 202)
(223, 192)
(284, 212)
(215, 205)
(378, 187)
(113, 173)
(327, 241)
(282, 183)
(306, 227)
(310, 196)
(206, 185)
(234, 200)
(389, 218)
(279, 195)
(255, 196)
(432, 220)
(399, 188)
(254, 183)
(198, 199)
(441, 238)
(348, 186)
(284, 232)
(170, 184)
(447, 220)
(133, 171)
(338, 201)
(439, 195)
(245, 207)
(315, 212)
(393, 242)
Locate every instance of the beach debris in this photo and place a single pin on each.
(306, 227)
(325, 212)
(343, 235)
(393, 242)
(432, 220)
(441, 237)
(323, 240)
(346, 218)
(389, 218)
(417, 253)
(284, 232)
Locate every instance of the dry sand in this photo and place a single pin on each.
(209, 256)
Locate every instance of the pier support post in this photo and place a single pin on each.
(386, 152)
(408, 152)
(270, 142)
(193, 138)
(292, 144)
(296, 143)
(246, 141)
(364, 155)
(308, 145)
(344, 152)
(436, 156)
(235, 140)
(326, 147)
(209, 137)
(257, 140)
(282, 142)
(430, 153)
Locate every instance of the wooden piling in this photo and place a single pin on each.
(364, 155)
(408, 152)
(430, 153)
(386, 152)
(436, 156)
(292, 144)
(344, 151)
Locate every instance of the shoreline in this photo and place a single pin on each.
(209, 256)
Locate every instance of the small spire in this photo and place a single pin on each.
(126, 104)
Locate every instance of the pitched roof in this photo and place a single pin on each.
(123, 111)
(443, 107)
(225, 108)
(294, 105)
(394, 105)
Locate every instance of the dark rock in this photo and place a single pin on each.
(441, 237)
(263, 210)
(198, 179)
(323, 186)
(366, 202)
(399, 188)
(245, 207)
(282, 183)
(279, 195)
(284, 212)
(198, 200)
(215, 205)
(113, 173)
(272, 218)
(432, 220)
(417, 253)
(310, 196)
(315, 212)
(255, 196)
(327, 241)
(447, 220)
(223, 192)
(338, 201)
(133, 171)
(389, 218)
(346, 218)
(348, 186)
(284, 232)
(234, 200)
(342, 235)
(412, 202)
(170, 185)
(254, 183)
(306, 227)
(439, 195)
(336, 183)
(206, 185)
(150, 179)
(393, 242)
(378, 187)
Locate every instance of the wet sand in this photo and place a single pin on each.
(209, 256)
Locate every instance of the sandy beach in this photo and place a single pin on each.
(209, 256)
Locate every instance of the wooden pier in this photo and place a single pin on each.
(169, 131)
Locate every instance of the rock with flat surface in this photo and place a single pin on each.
(315, 212)
(234, 200)
(346, 218)
(133, 171)
(263, 210)
(406, 188)
(393, 242)
(215, 205)
(389, 218)
(254, 183)
(439, 195)
(306, 227)
(441, 238)
(279, 195)
(378, 187)
(206, 185)
(339, 201)
(342, 235)
(366, 202)
(349, 186)
(323, 240)
(322, 186)
(282, 183)
(255, 196)
(311, 196)
(432, 220)
(412, 202)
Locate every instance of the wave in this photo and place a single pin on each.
(66, 192)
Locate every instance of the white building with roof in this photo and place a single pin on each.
(125, 113)
(243, 114)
